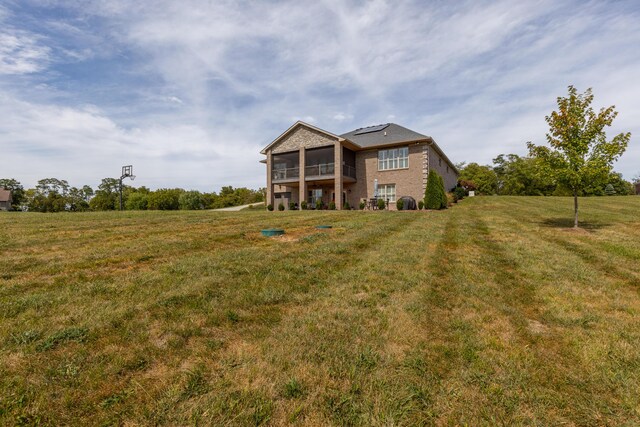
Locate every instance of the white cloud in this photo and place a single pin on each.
(20, 53)
(198, 88)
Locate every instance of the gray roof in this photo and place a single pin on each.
(390, 134)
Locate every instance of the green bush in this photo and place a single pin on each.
(332, 206)
(381, 204)
(399, 204)
(137, 201)
(165, 199)
(362, 205)
(420, 204)
(280, 207)
(191, 200)
(319, 205)
(292, 206)
(270, 207)
(346, 206)
(303, 205)
(444, 196)
(609, 190)
(434, 195)
(459, 193)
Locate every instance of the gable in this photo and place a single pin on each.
(302, 136)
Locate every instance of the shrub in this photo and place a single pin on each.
(399, 204)
(362, 205)
(332, 206)
(165, 199)
(434, 195)
(346, 206)
(451, 199)
(319, 205)
(292, 206)
(381, 204)
(609, 190)
(191, 200)
(280, 207)
(270, 207)
(303, 205)
(459, 193)
(420, 204)
(444, 198)
(137, 201)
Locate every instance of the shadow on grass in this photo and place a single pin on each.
(568, 223)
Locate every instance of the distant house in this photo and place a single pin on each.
(638, 188)
(386, 162)
(5, 200)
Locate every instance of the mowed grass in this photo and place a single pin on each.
(490, 313)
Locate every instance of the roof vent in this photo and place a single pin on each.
(385, 133)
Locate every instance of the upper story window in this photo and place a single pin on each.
(395, 158)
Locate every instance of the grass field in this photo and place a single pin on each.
(492, 312)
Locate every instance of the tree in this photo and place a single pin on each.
(165, 199)
(50, 195)
(444, 202)
(434, 193)
(609, 190)
(137, 200)
(520, 176)
(484, 178)
(76, 200)
(106, 197)
(579, 154)
(17, 192)
(191, 200)
(621, 186)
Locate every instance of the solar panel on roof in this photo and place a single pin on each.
(370, 129)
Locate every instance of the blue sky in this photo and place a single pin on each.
(190, 91)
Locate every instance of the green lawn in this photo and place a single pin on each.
(491, 312)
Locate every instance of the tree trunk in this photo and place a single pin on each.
(575, 207)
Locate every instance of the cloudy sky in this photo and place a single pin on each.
(189, 91)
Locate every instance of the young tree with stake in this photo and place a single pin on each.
(579, 154)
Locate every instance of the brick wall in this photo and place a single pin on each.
(408, 181)
(439, 164)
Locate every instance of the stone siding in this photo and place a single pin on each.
(302, 137)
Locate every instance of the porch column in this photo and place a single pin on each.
(337, 160)
(269, 195)
(303, 184)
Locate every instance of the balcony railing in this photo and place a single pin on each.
(325, 169)
(285, 174)
(349, 171)
(322, 170)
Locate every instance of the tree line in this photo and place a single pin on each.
(56, 195)
(514, 175)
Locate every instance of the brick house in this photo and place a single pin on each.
(638, 188)
(393, 158)
(5, 200)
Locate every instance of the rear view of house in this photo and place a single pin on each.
(385, 161)
(5, 200)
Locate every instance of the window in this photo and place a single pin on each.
(387, 191)
(314, 195)
(395, 158)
